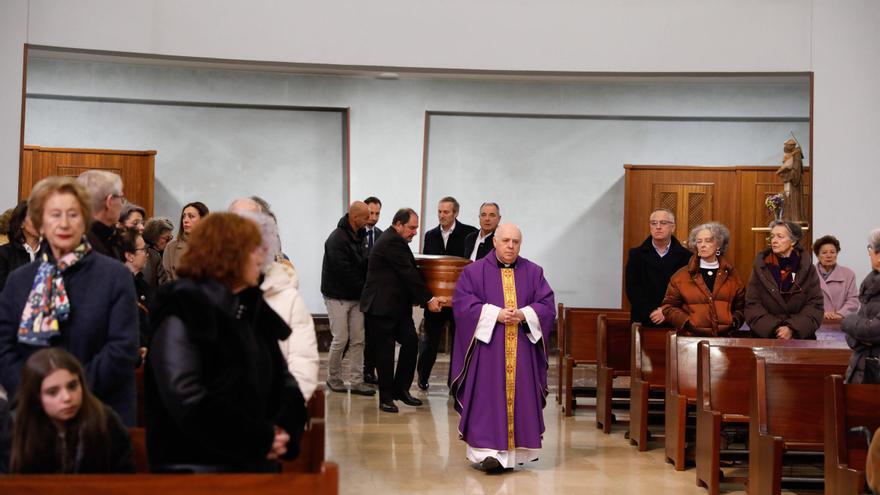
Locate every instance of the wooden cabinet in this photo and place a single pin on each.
(733, 196)
(135, 167)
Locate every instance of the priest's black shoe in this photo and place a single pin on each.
(490, 465)
(388, 407)
(408, 399)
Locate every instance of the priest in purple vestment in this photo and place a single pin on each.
(502, 307)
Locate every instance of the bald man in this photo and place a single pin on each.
(503, 306)
(343, 274)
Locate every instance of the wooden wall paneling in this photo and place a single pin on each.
(137, 169)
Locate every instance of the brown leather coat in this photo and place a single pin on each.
(801, 309)
(688, 300)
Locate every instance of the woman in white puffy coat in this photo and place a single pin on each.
(280, 289)
(281, 292)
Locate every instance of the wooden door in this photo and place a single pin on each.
(690, 202)
(135, 167)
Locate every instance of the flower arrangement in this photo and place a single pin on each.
(774, 204)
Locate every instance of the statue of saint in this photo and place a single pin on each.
(791, 172)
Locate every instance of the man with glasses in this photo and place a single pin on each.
(650, 266)
(105, 189)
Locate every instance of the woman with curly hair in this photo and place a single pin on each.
(706, 297)
(219, 396)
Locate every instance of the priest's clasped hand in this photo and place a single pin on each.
(510, 316)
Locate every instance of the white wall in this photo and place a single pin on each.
(13, 34)
(837, 40)
(474, 158)
(847, 124)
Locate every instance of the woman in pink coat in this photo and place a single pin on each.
(838, 282)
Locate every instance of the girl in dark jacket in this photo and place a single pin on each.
(784, 298)
(706, 297)
(863, 328)
(60, 427)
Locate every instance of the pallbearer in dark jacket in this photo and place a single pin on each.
(394, 285)
(784, 298)
(370, 239)
(448, 238)
(343, 273)
(478, 244)
(650, 266)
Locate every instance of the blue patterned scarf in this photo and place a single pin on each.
(47, 304)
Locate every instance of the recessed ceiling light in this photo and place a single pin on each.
(388, 75)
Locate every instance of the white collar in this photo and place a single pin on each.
(709, 266)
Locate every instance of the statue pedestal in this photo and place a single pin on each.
(441, 273)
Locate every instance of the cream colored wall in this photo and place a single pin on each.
(836, 40)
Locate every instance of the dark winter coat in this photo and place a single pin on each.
(216, 384)
(344, 269)
(768, 308)
(12, 256)
(394, 283)
(647, 276)
(101, 331)
(863, 328)
(454, 244)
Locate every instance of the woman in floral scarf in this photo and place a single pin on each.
(71, 297)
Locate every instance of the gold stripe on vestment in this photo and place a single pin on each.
(510, 341)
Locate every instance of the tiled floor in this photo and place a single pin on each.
(418, 451)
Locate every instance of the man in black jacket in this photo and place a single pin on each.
(478, 244)
(448, 238)
(394, 285)
(343, 273)
(650, 266)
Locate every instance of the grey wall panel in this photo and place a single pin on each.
(561, 180)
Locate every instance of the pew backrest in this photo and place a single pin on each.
(786, 391)
(648, 354)
(581, 329)
(725, 366)
(850, 406)
(681, 365)
(613, 342)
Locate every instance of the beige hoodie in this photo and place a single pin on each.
(281, 292)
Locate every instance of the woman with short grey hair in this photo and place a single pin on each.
(863, 327)
(706, 297)
(784, 299)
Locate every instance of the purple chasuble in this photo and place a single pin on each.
(478, 369)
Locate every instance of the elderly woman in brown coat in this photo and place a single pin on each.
(706, 297)
(784, 299)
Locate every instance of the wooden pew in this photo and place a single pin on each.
(647, 379)
(580, 348)
(785, 413)
(681, 392)
(613, 340)
(846, 407)
(324, 482)
(724, 368)
(311, 445)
